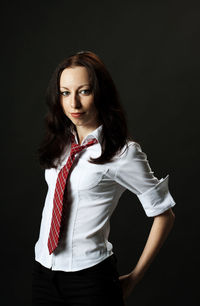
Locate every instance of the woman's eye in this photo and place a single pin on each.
(87, 91)
(64, 93)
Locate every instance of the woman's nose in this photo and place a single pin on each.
(75, 101)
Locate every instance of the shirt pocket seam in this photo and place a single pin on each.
(94, 184)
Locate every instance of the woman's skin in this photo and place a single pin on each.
(160, 229)
(76, 99)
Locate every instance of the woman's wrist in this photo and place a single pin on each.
(136, 276)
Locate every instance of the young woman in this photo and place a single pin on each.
(89, 161)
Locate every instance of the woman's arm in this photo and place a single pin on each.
(160, 229)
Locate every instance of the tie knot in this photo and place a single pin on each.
(76, 148)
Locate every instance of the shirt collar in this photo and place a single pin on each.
(97, 133)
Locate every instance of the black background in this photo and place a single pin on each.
(151, 49)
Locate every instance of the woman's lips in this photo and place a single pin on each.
(76, 115)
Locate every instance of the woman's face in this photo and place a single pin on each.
(77, 99)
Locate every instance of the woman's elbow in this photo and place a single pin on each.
(169, 215)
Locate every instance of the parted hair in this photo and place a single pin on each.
(107, 101)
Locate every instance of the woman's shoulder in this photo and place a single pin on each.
(130, 147)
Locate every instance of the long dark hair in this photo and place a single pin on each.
(107, 101)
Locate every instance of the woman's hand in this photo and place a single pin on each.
(128, 283)
(160, 229)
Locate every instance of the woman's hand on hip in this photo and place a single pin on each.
(127, 282)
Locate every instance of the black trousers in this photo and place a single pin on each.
(95, 286)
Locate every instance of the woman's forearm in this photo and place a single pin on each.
(160, 229)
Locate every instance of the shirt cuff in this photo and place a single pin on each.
(157, 199)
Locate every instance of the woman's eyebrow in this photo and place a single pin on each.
(78, 87)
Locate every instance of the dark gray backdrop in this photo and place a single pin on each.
(151, 49)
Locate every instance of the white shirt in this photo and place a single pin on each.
(93, 194)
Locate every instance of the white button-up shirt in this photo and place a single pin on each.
(93, 192)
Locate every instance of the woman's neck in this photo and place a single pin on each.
(83, 131)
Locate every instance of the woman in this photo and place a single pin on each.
(89, 161)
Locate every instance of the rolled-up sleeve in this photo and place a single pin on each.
(135, 174)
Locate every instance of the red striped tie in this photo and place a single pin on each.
(59, 192)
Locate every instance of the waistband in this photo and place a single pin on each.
(107, 265)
